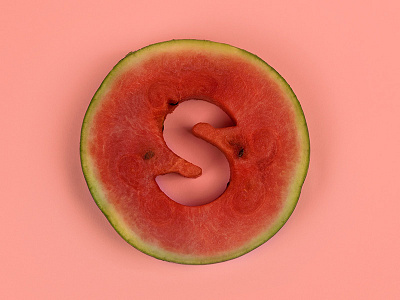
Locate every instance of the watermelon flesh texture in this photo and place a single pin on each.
(123, 150)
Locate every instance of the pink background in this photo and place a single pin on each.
(341, 59)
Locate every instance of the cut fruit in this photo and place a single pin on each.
(123, 150)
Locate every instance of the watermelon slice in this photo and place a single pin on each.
(123, 150)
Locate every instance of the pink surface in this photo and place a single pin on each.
(342, 242)
(213, 163)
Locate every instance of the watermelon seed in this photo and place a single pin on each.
(228, 183)
(173, 103)
(241, 152)
(148, 155)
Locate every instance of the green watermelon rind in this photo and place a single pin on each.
(108, 210)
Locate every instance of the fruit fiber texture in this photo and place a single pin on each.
(123, 150)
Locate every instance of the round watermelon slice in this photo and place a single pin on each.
(123, 150)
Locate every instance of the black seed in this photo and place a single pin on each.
(228, 183)
(173, 103)
(148, 155)
(241, 152)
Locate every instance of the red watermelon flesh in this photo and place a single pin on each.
(123, 150)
